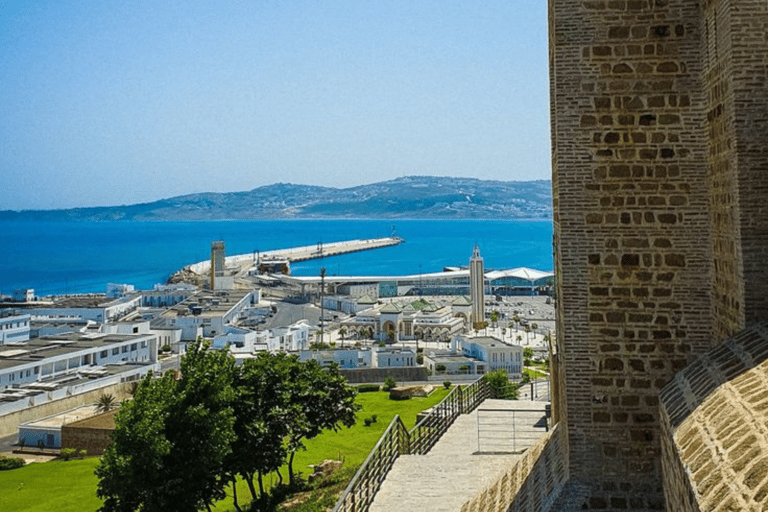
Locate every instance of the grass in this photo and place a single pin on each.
(71, 486)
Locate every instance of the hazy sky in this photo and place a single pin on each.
(105, 103)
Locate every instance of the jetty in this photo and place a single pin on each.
(241, 264)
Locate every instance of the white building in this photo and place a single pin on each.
(207, 313)
(68, 356)
(24, 295)
(344, 358)
(115, 290)
(14, 327)
(388, 357)
(98, 308)
(494, 353)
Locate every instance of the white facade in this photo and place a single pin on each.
(343, 358)
(99, 309)
(393, 357)
(496, 354)
(43, 359)
(14, 329)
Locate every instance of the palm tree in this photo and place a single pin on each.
(106, 403)
(494, 317)
(342, 333)
(519, 339)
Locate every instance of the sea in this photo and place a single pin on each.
(67, 257)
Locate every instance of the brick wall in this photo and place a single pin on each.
(632, 230)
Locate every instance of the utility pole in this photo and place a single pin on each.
(322, 307)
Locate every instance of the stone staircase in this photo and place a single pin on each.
(451, 473)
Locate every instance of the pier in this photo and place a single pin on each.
(242, 263)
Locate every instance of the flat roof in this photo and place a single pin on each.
(212, 303)
(70, 416)
(39, 349)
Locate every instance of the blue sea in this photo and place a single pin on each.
(80, 257)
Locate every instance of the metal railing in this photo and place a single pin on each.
(397, 440)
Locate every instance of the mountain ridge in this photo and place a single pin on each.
(405, 197)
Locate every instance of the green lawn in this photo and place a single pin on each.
(70, 486)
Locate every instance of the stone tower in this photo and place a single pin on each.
(217, 262)
(659, 113)
(477, 289)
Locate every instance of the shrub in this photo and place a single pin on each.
(447, 384)
(68, 453)
(10, 462)
(389, 383)
(82, 453)
(374, 417)
(165, 348)
(500, 385)
(367, 422)
(440, 368)
(368, 388)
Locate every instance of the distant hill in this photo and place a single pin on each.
(419, 197)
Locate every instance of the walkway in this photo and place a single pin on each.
(454, 471)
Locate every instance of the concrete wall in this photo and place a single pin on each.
(10, 422)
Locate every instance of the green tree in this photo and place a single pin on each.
(319, 399)
(494, 315)
(342, 333)
(500, 385)
(261, 391)
(171, 441)
(527, 356)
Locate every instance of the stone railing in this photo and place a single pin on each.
(397, 440)
(531, 484)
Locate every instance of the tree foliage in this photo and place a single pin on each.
(501, 387)
(171, 441)
(178, 444)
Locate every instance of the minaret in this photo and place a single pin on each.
(477, 289)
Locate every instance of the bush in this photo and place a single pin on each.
(165, 348)
(68, 453)
(500, 385)
(447, 384)
(440, 368)
(389, 383)
(374, 417)
(368, 388)
(367, 422)
(10, 462)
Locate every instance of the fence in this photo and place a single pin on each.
(498, 430)
(396, 441)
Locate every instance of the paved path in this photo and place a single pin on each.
(453, 471)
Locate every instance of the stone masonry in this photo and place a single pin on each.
(659, 141)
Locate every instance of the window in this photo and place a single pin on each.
(115, 351)
(104, 353)
(133, 346)
(125, 349)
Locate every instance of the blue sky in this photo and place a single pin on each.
(107, 103)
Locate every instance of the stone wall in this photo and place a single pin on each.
(530, 484)
(715, 428)
(91, 434)
(373, 375)
(632, 230)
